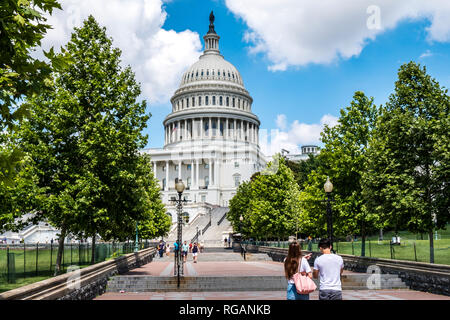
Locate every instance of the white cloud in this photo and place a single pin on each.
(297, 135)
(300, 32)
(157, 56)
(426, 54)
(281, 121)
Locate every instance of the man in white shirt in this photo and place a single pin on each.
(330, 267)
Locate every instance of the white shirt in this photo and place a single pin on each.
(329, 267)
(303, 267)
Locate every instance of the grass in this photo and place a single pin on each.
(404, 251)
(25, 263)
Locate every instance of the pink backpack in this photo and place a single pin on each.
(303, 284)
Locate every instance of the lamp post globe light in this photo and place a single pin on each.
(328, 187)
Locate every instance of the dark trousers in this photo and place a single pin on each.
(330, 295)
(161, 252)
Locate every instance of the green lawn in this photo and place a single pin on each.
(405, 251)
(29, 268)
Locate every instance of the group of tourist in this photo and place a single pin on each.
(328, 267)
(186, 248)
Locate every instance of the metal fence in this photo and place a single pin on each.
(411, 250)
(22, 261)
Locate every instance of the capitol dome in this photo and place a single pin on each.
(211, 139)
(211, 101)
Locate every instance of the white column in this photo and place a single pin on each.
(234, 130)
(242, 130)
(226, 128)
(210, 128)
(192, 174)
(248, 132)
(216, 172)
(167, 175)
(210, 172)
(197, 173)
(185, 129)
(201, 128)
(179, 169)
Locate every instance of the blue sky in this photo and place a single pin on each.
(306, 93)
(301, 61)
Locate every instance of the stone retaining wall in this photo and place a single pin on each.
(427, 277)
(81, 284)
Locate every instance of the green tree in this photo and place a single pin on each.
(85, 137)
(22, 27)
(302, 169)
(407, 183)
(268, 203)
(343, 158)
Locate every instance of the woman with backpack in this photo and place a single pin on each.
(295, 263)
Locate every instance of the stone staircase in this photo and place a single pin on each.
(144, 283)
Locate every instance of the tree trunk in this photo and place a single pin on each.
(93, 250)
(60, 250)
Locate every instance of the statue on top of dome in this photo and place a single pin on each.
(211, 23)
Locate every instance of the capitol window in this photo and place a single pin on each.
(228, 101)
(206, 181)
(234, 100)
(236, 164)
(207, 72)
(220, 101)
(218, 73)
(207, 100)
(237, 180)
(200, 101)
(202, 73)
(193, 101)
(214, 100)
(206, 166)
(187, 103)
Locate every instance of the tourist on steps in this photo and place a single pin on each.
(185, 249)
(330, 267)
(195, 252)
(294, 263)
(168, 250)
(161, 248)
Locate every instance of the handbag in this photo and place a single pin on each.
(304, 284)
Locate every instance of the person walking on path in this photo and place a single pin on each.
(190, 247)
(229, 242)
(202, 246)
(330, 267)
(168, 250)
(176, 249)
(294, 263)
(195, 252)
(185, 249)
(161, 248)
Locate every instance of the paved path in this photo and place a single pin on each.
(232, 264)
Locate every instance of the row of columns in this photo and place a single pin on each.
(188, 129)
(213, 179)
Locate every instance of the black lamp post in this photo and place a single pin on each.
(328, 186)
(241, 218)
(178, 270)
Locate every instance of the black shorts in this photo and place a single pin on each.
(185, 253)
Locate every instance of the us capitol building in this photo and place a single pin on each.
(211, 135)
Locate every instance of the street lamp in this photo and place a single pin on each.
(328, 187)
(178, 270)
(136, 246)
(241, 218)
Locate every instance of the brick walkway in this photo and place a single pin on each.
(214, 264)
